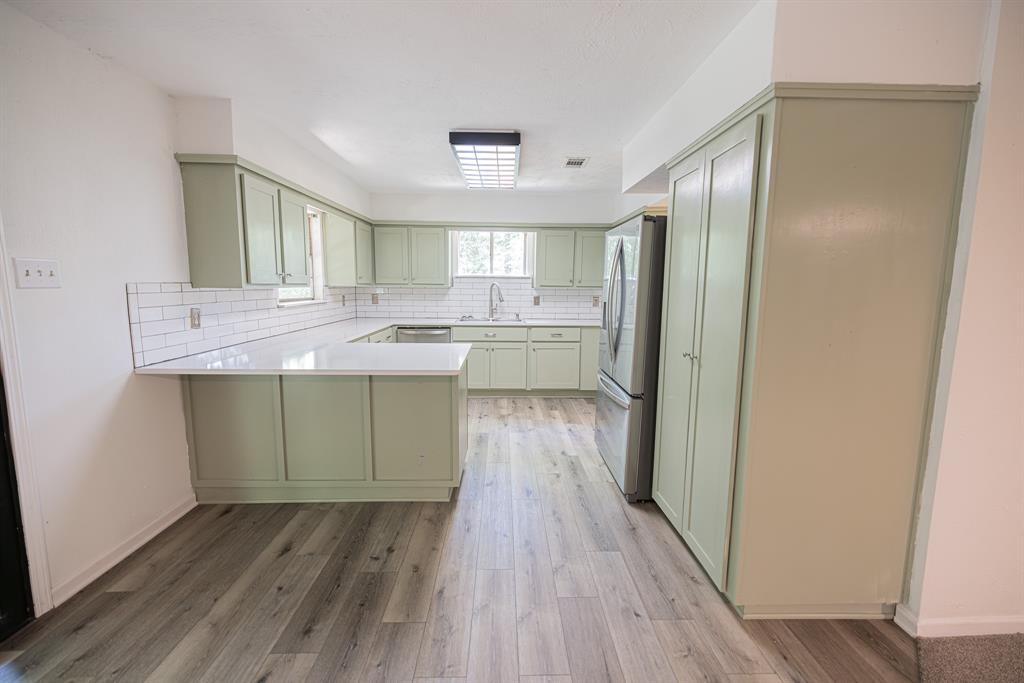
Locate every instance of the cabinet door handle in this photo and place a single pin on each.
(556, 334)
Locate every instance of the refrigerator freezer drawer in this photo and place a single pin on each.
(618, 434)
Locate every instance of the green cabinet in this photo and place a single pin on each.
(391, 255)
(364, 253)
(569, 258)
(326, 428)
(415, 430)
(261, 221)
(507, 365)
(589, 338)
(589, 258)
(706, 278)
(556, 252)
(348, 251)
(410, 256)
(554, 365)
(428, 254)
(478, 366)
(235, 419)
(295, 254)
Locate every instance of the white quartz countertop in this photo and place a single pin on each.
(326, 350)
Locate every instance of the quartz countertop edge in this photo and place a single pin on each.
(327, 350)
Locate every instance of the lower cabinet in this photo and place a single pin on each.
(554, 365)
(326, 434)
(412, 428)
(507, 365)
(478, 366)
(324, 437)
(236, 420)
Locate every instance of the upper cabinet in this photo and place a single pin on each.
(391, 255)
(348, 251)
(556, 251)
(244, 229)
(569, 258)
(411, 256)
(589, 262)
(294, 239)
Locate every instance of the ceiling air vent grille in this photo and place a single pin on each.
(575, 162)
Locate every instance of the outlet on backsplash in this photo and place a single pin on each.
(375, 298)
(595, 301)
(536, 299)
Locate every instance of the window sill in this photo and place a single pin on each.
(299, 303)
(493, 277)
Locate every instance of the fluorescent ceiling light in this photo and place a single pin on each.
(487, 159)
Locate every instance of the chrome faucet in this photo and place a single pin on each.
(492, 308)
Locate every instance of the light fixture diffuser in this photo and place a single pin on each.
(488, 160)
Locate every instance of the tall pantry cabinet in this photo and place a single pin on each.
(807, 270)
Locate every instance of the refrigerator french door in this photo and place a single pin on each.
(628, 352)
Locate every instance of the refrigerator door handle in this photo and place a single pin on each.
(613, 342)
(614, 393)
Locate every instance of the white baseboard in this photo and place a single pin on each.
(970, 626)
(906, 619)
(122, 550)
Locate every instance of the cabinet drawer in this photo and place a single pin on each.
(569, 334)
(488, 334)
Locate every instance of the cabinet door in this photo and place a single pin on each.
(340, 245)
(391, 255)
(478, 366)
(261, 221)
(589, 337)
(718, 346)
(429, 256)
(589, 263)
(414, 435)
(556, 251)
(326, 428)
(294, 239)
(234, 427)
(508, 365)
(678, 324)
(554, 365)
(364, 254)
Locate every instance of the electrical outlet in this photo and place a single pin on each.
(374, 298)
(194, 320)
(595, 301)
(37, 273)
(536, 300)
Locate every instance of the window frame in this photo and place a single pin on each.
(528, 237)
(315, 286)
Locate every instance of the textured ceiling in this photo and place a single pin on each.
(380, 83)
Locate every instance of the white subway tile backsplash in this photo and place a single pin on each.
(160, 329)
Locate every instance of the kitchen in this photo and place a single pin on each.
(405, 368)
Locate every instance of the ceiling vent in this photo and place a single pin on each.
(576, 162)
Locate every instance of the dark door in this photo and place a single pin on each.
(15, 598)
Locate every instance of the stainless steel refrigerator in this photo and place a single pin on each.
(630, 332)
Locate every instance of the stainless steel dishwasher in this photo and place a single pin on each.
(424, 335)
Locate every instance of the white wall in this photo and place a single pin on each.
(203, 125)
(879, 41)
(263, 143)
(739, 68)
(509, 207)
(87, 176)
(968, 569)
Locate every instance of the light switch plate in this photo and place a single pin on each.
(37, 273)
(596, 301)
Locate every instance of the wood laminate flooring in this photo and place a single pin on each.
(537, 571)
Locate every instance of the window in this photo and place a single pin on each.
(314, 290)
(491, 253)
